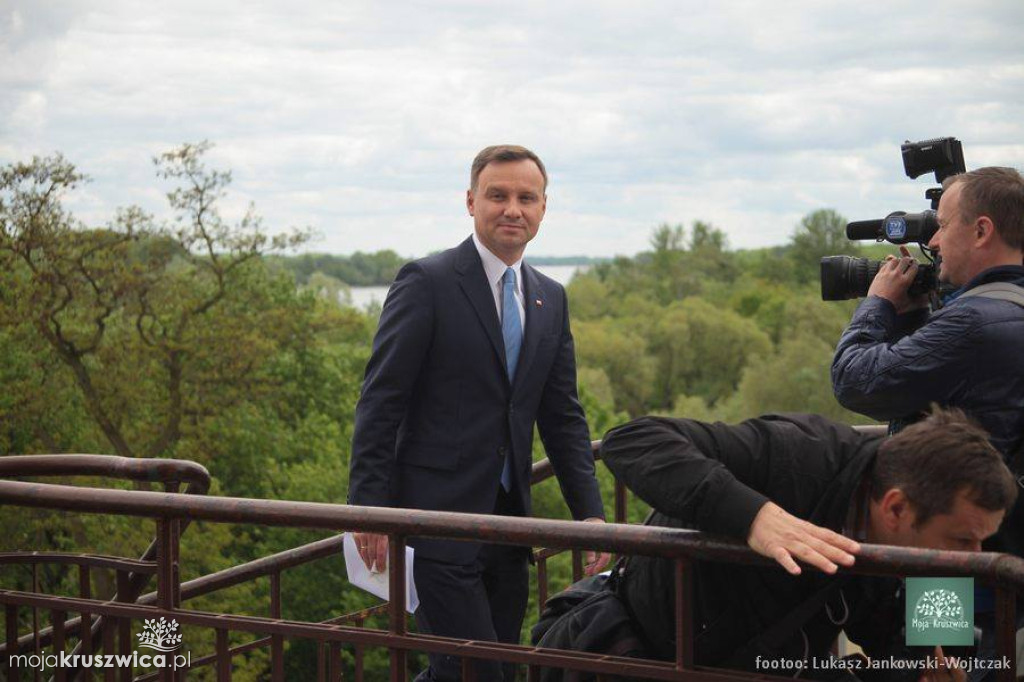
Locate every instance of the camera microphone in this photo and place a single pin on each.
(899, 227)
(864, 229)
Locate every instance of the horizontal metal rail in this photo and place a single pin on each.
(72, 559)
(1004, 571)
(877, 560)
(650, 540)
(109, 466)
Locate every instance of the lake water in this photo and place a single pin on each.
(365, 296)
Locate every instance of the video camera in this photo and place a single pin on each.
(844, 277)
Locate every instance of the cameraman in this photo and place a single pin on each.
(894, 360)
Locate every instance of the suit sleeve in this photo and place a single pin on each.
(399, 349)
(563, 429)
(880, 373)
(702, 474)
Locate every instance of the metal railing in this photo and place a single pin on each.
(110, 619)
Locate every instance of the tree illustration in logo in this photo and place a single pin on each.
(939, 604)
(160, 635)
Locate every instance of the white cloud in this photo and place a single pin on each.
(360, 118)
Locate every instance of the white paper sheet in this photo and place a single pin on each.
(377, 583)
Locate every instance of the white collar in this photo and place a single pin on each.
(494, 267)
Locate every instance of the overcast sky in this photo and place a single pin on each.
(360, 119)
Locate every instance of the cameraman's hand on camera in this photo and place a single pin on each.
(893, 282)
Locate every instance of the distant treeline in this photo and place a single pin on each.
(379, 268)
(565, 260)
(359, 269)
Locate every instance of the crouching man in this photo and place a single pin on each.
(800, 489)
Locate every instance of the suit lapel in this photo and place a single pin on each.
(537, 320)
(473, 282)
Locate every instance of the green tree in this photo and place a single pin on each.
(701, 351)
(794, 379)
(184, 306)
(820, 233)
(621, 354)
(588, 297)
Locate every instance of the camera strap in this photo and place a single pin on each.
(1004, 291)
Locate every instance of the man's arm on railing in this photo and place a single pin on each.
(710, 475)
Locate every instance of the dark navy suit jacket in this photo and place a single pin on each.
(438, 415)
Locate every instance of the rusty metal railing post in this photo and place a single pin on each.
(1006, 631)
(174, 552)
(12, 642)
(621, 502)
(684, 615)
(335, 664)
(109, 629)
(396, 612)
(57, 618)
(223, 656)
(35, 617)
(542, 583)
(358, 655)
(276, 641)
(85, 624)
(468, 669)
(165, 554)
(124, 625)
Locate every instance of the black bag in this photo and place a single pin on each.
(588, 616)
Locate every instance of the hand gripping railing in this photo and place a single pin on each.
(1004, 572)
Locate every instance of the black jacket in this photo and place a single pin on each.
(716, 477)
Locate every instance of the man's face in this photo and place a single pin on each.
(962, 529)
(954, 240)
(507, 207)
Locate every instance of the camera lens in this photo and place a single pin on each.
(844, 277)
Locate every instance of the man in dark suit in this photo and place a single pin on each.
(473, 349)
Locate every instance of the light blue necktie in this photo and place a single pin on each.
(512, 333)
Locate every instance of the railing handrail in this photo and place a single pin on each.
(1002, 569)
(114, 466)
(78, 559)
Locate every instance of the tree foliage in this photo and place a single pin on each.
(694, 329)
(820, 233)
(180, 303)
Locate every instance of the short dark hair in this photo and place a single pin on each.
(996, 192)
(502, 153)
(935, 459)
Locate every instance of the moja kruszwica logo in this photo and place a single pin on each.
(940, 611)
(160, 635)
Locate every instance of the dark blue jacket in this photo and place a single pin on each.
(969, 355)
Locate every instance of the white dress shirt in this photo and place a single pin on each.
(495, 268)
